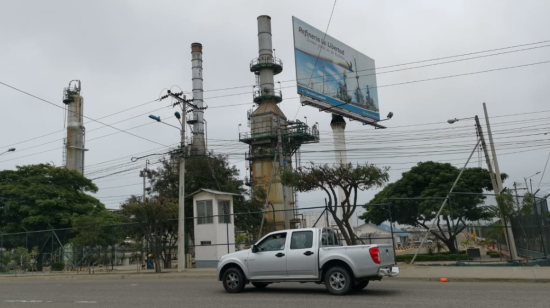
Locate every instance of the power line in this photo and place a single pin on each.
(403, 64)
(543, 172)
(61, 107)
(317, 58)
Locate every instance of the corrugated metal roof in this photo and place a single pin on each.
(215, 192)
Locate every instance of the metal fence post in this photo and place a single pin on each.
(391, 230)
(1, 252)
(113, 249)
(539, 222)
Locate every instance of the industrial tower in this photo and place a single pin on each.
(272, 138)
(196, 118)
(73, 157)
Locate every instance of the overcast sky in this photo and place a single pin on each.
(126, 52)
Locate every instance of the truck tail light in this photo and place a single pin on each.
(375, 254)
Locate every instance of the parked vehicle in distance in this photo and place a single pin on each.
(307, 255)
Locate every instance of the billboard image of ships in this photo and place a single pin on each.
(331, 71)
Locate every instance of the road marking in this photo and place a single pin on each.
(23, 301)
(86, 302)
(133, 285)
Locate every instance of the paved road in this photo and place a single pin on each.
(206, 293)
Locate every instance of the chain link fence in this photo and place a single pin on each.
(468, 222)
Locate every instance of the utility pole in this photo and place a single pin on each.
(281, 167)
(143, 174)
(184, 103)
(512, 243)
(491, 173)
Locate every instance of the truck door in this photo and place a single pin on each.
(302, 255)
(269, 260)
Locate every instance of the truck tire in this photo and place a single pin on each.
(338, 280)
(260, 285)
(233, 280)
(360, 285)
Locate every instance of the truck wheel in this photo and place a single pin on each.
(260, 285)
(360, 286)
(338, 280)
(233, 280)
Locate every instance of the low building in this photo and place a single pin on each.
(381, 234)
(214, 226)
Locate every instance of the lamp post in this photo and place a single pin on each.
(496, 179)
(9, 150)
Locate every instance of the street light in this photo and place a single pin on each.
(9, 150)
(239, 128)
(306, 119)
(388, 117)
(158, 120)
(451, 121)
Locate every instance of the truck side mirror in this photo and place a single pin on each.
(254, 249)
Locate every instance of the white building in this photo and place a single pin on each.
(381, 234)
(214, 226)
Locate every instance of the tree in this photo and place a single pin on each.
(37, 197)
(91, 232)
(156, 221)
(329, 179)
(434, 180)
(210, 172)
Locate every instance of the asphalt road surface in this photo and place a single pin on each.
(207, 293)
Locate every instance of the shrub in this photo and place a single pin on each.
(434, 257)
(58, 266)
(495, 255)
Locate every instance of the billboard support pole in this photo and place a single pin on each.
(338, 125)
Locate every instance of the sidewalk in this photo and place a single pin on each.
(408, 273)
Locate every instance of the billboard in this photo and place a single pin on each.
(330, 71)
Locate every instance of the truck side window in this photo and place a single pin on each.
(301, 240)
(273, 242)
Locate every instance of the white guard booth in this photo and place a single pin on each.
(214, 228)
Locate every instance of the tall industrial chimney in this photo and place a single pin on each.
(74, 144)
(196, 118)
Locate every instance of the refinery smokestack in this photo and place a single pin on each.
(196, 118)
(74, 144)
(267, 83)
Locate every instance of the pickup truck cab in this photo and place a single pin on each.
(306, 255)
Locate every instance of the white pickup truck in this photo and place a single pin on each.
(306, 255)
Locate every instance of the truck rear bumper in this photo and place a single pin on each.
(388, 271)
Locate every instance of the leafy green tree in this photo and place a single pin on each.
(351, 179)
(210, 172)
(91, 232)
(36, 197)
(430, 180)
(156, 221)
(39, 197)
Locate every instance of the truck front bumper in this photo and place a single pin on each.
(388, 271)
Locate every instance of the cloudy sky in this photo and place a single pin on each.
(126, 52)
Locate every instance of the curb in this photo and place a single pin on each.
(214, 278)
(466, 279)
(108, 277)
